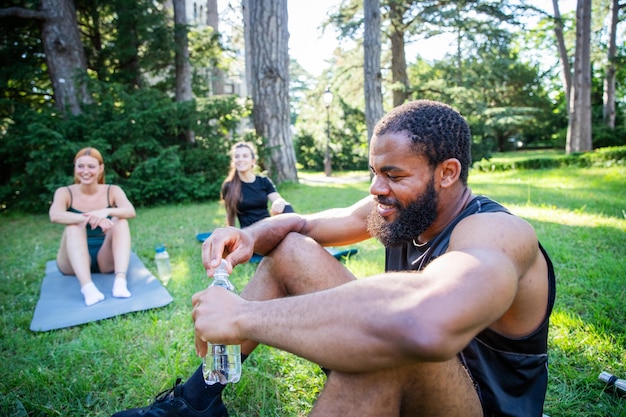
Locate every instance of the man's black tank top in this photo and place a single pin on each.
(511, 374)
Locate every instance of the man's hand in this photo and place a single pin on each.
(214, 314)
(230, 243)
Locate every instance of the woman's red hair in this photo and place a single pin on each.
(94, 153)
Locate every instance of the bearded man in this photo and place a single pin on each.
(457, 325)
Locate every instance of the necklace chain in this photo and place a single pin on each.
(419, 245)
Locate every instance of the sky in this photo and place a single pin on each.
(306, 43)
(311, 49)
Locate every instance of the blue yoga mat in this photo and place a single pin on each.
(256, 258)
(61, 303)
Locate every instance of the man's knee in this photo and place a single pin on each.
(292, 252)
(299, 265)
(296, 244)
(438, 389)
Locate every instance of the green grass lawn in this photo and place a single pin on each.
(100, 368)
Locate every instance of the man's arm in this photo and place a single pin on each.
(391, 319)
(330, 227)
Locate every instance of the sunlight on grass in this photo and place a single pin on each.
(181, 270)
(526, 154)
(566, 217)
(571, 334)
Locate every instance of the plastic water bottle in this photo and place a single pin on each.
(162, 259)
(222, 363)
(613, 381)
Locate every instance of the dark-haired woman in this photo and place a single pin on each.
(246, 194)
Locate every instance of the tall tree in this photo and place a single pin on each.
(245, 4)
(65, 56)
(183, 67)
(566, 70)
(372, 78)
(268, 36)
(399, 25)
(212, 20)
(611, 67)
(579, 127)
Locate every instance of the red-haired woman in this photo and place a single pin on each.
(96, 237)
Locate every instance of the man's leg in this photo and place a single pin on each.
(424, 389)
(298, 265)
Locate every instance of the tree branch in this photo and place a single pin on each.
(23, 13)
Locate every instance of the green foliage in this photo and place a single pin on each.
(125, 41)
(141, 137)
(603, 136)
(599, 157)
(348, 141)
(308, 154)
(501, 96)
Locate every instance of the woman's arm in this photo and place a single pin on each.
(123, 208)
(58, 209)
(278, 203)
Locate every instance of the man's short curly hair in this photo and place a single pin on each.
(437, 131)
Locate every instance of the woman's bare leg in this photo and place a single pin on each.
(73, 259)
(114, 255)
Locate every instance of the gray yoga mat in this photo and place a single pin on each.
(61, 303)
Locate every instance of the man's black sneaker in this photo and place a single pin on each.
(170, 403)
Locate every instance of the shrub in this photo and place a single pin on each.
(140, 135)
(599, 157)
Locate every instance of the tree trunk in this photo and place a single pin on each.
(611, 70)
(398, 57)
(372, 78)
(566, 70)
(217, 80)
(269, 53)
(579, 129)
(65, 56)
(247, 45)
(183, 67)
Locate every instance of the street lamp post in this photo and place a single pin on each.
(328, 98)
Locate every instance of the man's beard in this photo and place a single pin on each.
(412, 220)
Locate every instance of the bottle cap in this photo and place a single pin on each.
(222, 269)
(159, 248)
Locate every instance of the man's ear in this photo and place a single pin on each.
(449, 171)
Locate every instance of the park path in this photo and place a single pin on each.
(319, 178)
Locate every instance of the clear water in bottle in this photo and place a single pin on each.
(222, 363)
(164, 268)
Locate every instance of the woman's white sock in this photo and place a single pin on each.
(91, 293)
(120, 289)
